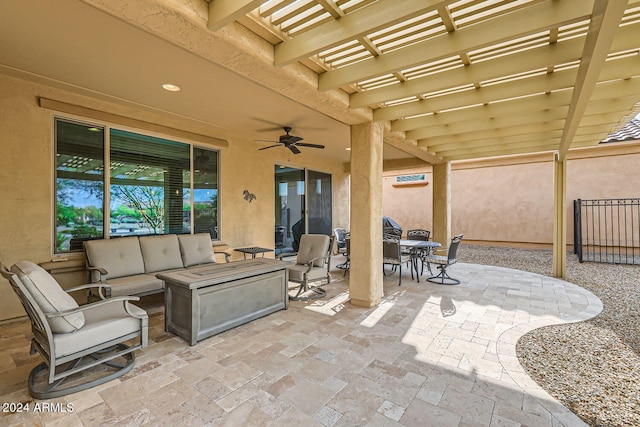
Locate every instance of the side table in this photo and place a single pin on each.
(253, 251)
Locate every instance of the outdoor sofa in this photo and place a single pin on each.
(128, 265)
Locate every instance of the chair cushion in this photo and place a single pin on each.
(196, 249)
(439, 259)
(103, 324)
(49, 296)
(403, 259)
(160, 252)
(296, 273)
(120, 257)
(313, 246)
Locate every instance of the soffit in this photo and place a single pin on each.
(469, 78)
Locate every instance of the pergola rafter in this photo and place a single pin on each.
(536, 18)
(446, 73)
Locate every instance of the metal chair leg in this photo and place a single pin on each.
(444, 278)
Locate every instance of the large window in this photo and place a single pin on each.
(155, 185)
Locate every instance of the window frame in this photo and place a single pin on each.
(106, 178)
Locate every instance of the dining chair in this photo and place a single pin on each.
(347, 263)
(392, 255)
(444, 261)
(420, 234)
(338, 234)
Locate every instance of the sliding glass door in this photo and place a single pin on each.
(319, 202)
(303, 201)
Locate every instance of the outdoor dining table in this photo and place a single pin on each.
(414, 247)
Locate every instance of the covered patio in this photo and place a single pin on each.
(382, 87)
(444, 356)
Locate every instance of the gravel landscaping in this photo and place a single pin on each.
(592, 367)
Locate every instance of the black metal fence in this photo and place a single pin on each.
(607, 230)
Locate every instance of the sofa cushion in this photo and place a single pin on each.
(49, 296)
(120, 257)
(134, 285)
(196, 249)
(313, 246)
(160, 252)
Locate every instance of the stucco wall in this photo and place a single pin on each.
(26, 179)
(510, 201)
(409, 205)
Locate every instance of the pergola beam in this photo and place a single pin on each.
(603, 27)
(351, 26)
(490, 122)
(532, 59)
(415, 151)
(504, 91)
(623, 68)
(498, 132)
(508, 139)
(539, 17)
(524, 131)
(497, 146)
(503, 152)
(223, 12)
(526, 105)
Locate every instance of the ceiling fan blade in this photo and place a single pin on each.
(271, 146)
(304, 144)
(293, 149)
(265, 140)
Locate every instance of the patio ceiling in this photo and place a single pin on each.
(454, 80)
(469, 78)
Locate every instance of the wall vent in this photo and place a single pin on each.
(413, 179)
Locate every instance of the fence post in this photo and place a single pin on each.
(577, 228)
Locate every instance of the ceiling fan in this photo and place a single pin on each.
(290, 141)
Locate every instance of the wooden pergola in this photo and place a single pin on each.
(466, 79)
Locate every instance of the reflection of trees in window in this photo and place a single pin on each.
(79, 183)
(149, 175)
(147, 203)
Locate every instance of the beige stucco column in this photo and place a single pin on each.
(559, 217)
(365, 274)
(442, 203)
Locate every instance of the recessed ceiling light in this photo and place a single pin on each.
(171, 87)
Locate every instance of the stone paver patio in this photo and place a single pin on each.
(428, 355)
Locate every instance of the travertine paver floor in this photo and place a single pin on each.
(428, 355)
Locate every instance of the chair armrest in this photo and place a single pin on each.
(227, 255)
(89, 286)
(287, 255)
(101, 271)
(123, 299)
(313, 260)
(100, 286)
